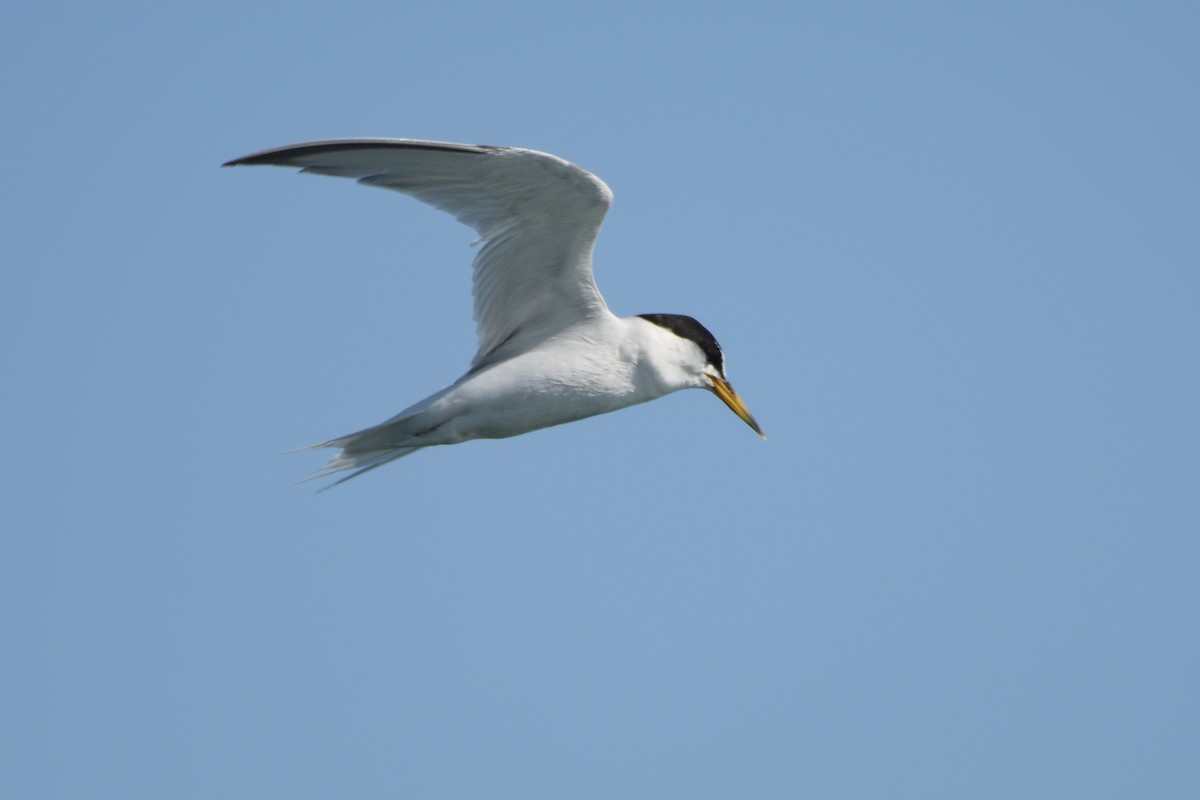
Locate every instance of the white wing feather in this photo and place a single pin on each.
(537, 217)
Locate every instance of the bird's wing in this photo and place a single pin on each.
(537, 217)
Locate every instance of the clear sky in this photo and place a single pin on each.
(952, 251)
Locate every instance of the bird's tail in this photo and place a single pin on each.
(361, 452)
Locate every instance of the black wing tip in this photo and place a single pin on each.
(257, 158)
(284, 156)
(265, 157)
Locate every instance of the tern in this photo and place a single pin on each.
(550, 350)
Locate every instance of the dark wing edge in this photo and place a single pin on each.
(284, 156)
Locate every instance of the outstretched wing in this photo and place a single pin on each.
(537, 217)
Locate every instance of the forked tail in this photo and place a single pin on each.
(361, 452)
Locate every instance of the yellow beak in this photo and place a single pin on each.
(723, 390)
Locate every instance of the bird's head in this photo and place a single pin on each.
(703, 363)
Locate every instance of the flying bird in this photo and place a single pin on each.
(550, 351)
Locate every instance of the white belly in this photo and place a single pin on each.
(536, 391)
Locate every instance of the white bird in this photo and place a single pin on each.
(550, 351)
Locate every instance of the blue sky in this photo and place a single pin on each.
(951, 252)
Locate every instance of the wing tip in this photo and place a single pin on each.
(285, 156)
